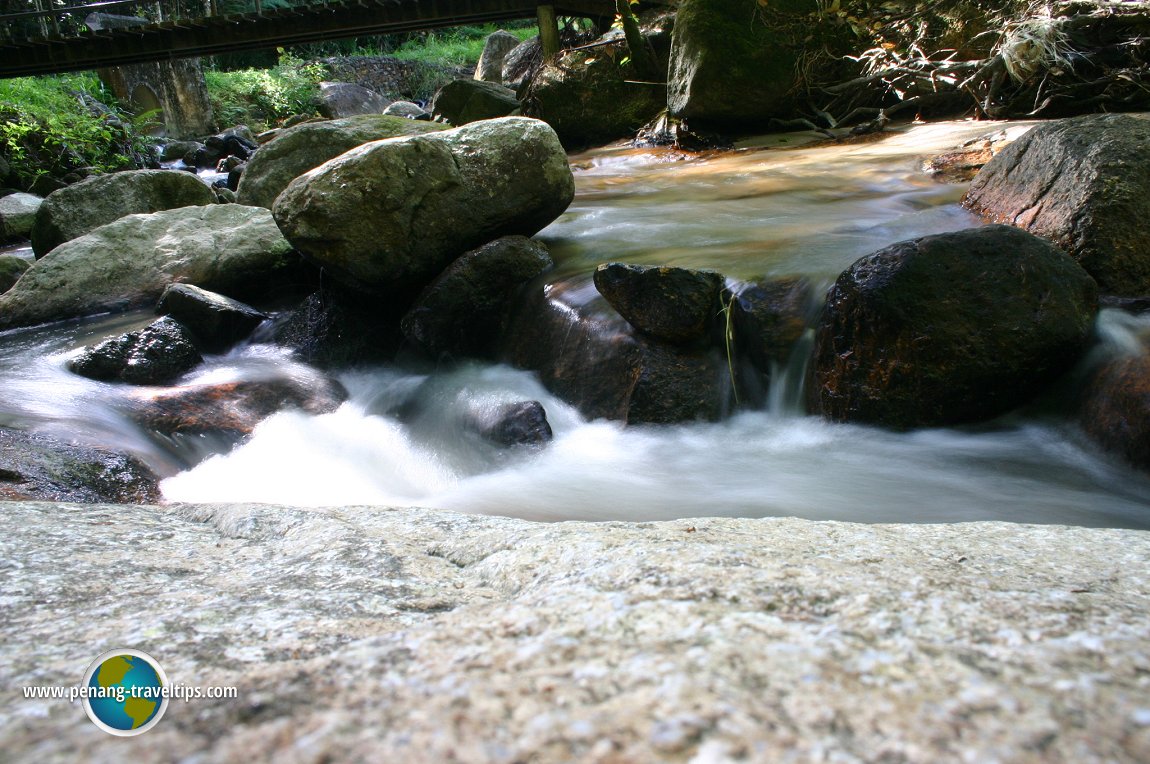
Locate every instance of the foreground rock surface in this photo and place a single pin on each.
(374, 634)
(223, 247)
(389, 216)
(1083, 183)
(947, 329)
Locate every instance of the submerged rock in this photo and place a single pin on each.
(82, 207)
(303, 147)
(389, 216)
(154, 355)
(946, 329)
(513, 424)
(463, 313)
(217, 322)
(672, 304)
(463, 101)
(37, 467)
(1084, 184)
(224, 247)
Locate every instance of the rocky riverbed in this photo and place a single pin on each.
(373, 634)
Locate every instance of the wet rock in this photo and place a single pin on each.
(464, 101)
(11, 269)
(179, 149)
(408, 110)
(521, 63)
(588, 356)
(336, 328)
(957, 327)
(217, 322)
(1115, 410)
(769, 317)
(456, 190)
(228, 248)
(306, 146)
(672, 304)
(513, 424)
(495, 49)
(345, 99)
(82, 207)
(234, 142)
(17, 214)
(232, 409)
(963, 163)
(1128, 304)
(37, 467)
(155, 355)
(1084, 184)
(464, 311)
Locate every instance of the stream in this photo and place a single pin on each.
(776, 208)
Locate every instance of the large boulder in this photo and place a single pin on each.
(224, 247)
(81, 207)
(217, 322)
(346, 99)
(463, 313)
(40, 467)
(952, 328)
(154, 355)
(734, 67)
(589, 356)
(671, 304)
(495, 49)
(17, 214)
(1115, 409)
(1083, 183)
(298, 149)
(464, 101)
(389, 216)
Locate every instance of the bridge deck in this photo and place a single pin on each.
(273, 27)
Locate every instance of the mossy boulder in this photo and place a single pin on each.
(306, 146)
(11, 269)
(948, 329)
(77, 209)
(389, 216)
(1084, 184)
(734, 63)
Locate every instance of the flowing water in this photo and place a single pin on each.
(783, 210)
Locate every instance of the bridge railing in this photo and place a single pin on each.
(69, 21)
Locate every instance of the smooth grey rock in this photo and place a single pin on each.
(218, 322)
(389, 216)
(495, 49)
(306, 146)
(346, 99)
(17, 214)
(377, 634)
(407, 109)
(82, 207)
(223, 247)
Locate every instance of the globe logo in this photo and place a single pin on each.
(124, 692)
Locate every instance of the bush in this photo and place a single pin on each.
(261, 98)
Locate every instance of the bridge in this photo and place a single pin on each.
(58, 40)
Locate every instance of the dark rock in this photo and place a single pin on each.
(304, 147)
(513, 424)
(217, 322)
(673, 304)
(1115, 410)
(390, 216)
(45, 185)
(958, 327)
(154, 355)
(769, 317)
(234, 408)
(588, 356)
(78, 209)
(495, 49)
(42, 468)
(338, 328)
(11, 269)
(1128, 304)
(522, 62)
(464, 101)
(408, 110)
(235, 174)
(464, 311)
(179, 149)
(1084, 184)
(344, 99)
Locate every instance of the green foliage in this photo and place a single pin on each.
(457, 46)
(53, 125)
(262, 97)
